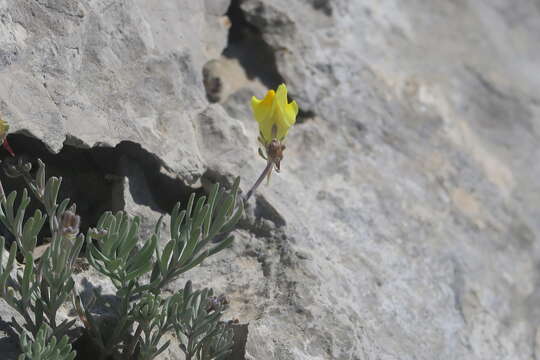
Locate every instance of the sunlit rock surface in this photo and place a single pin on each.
(405, 221)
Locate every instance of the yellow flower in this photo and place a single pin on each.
(4, 128)
(274, 114)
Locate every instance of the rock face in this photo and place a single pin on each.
(405, 222)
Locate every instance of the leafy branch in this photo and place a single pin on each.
(138, 268)
(46, 284)
(46, 347)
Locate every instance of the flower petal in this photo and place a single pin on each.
(290, 113)
(262, 111)
(4, 128)
(274, 114)
(287, 113)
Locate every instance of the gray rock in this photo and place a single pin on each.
(404, 223)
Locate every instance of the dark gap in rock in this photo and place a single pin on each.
(304, 115)
(83, 181)
(211, 177)
(86, 348)
(322, 5)
(146, 180)
(247, 45)
(260, 219)
(9, 342)
(85, 345)
(212, 83)
(97, 178)
(360, 127)
(264, 210)
(240, 340)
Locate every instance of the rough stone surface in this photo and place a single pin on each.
(405, 222)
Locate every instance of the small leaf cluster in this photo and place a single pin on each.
(132, 323)
(45, 346)
(194, 317)
(45, 283)
(202, 336)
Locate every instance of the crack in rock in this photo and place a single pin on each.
(96, 178)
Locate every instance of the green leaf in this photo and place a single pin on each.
(235, 187)
(200, 218)
(187, 252)
(193, 263)
(222, 245)
(176, 220)
(110, 239)
(9, 266)
(188, 289)
(221, 215)
(45, 346)
(40, 176)
(62, 207)
(199, 206)
(10, 202)
(141, 261)
(27, 276)
(51, 193)
(166, 257)
(190, 205)
(102, 219)
(25, 201)
(2, 249)
(139, 271)
(211, 204)
(76, 249)
(157, 228)
(231, 223)
(130, 239)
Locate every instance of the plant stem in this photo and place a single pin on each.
(134, 341)
(266, 171)
(2, 192)
(188, 352)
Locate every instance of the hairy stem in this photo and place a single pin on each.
(266, 171)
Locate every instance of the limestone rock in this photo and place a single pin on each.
(404, 223)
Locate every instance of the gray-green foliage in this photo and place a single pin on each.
(193, 315)
(202, 336)
(43, 285)
(136, 319)
(45, 346)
